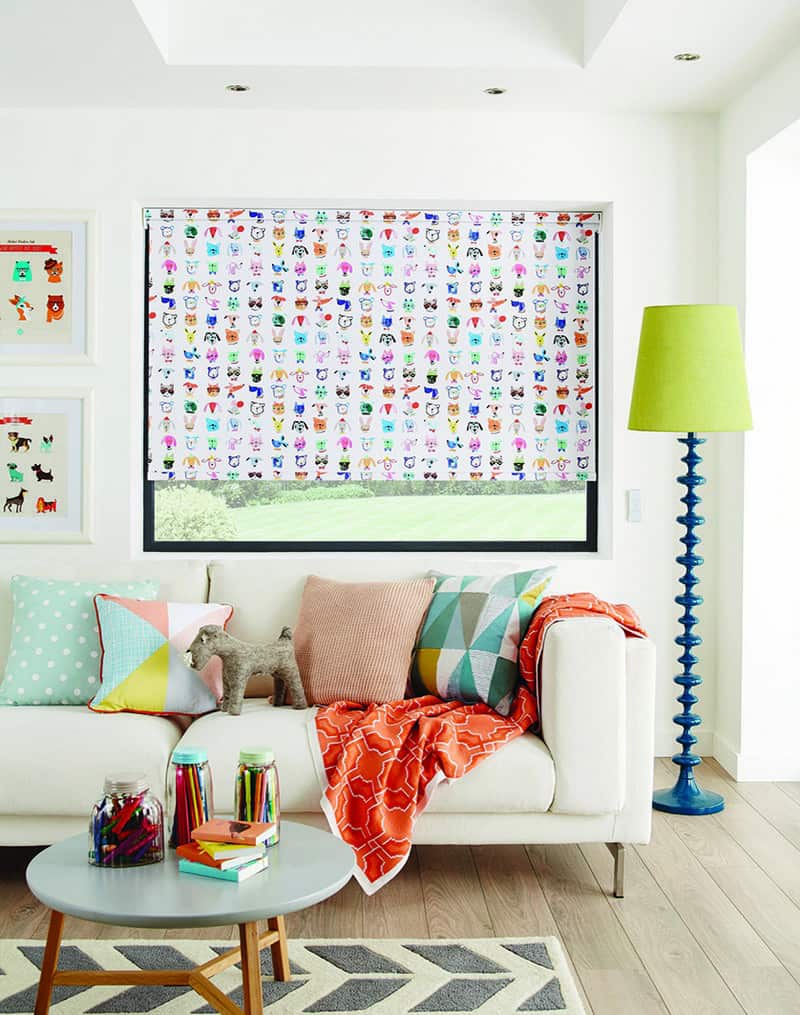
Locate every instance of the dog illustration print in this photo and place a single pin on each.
(54, 270)
(42, 475)
(14, 504)
(19, 443)
(55, 308)
(44, 507)
(46, 444)
(13, 472)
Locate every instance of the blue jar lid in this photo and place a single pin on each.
(189, 756)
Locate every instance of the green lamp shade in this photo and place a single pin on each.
(690, 371)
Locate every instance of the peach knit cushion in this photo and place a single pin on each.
(355, 640)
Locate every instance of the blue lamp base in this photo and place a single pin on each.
(686, 797)
(678, 800)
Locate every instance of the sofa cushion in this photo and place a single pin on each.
(469, 644)
(53, 760)
(185, 580)
(54, 654)
(143, 666)
(520, 777)
(354, 640)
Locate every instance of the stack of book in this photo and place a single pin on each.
(228, 850)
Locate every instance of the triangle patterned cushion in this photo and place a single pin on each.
(142, 667)
(469, 644)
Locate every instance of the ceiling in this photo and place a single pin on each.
(419, 54)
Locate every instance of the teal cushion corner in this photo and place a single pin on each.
(469, 643)
(54, 651)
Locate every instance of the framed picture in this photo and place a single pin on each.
(46, 313)
(46, 466)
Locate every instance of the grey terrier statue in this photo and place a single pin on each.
(241, 660)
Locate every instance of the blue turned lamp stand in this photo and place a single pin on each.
(686, 797)
(689, 378)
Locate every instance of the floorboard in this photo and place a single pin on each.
(710, 923)
(452, 894)
(603, 956)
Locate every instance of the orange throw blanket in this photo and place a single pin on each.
(378, 765)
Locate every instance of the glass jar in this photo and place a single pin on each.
(190, 793)
(258, 796)
(127, 826)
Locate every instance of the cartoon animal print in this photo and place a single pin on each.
(22, 305)
(46, 444)
(22, 271)
(13, 472)
(44, 506)
(55, 308)
(15, 503)
(54, 270)
(42, 475)
(19, 443)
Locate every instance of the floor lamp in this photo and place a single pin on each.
(689, 379)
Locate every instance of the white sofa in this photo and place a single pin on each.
(588, 778)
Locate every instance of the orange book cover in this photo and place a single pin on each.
(250, 833)
(197, 855)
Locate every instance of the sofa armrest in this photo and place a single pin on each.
(597, 721)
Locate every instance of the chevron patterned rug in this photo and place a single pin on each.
(380, 977)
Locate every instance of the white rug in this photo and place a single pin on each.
(380, 977)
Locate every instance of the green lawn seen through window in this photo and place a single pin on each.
(247, 511)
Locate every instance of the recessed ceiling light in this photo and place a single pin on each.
(494, 91)
(687, 57)
(237, 88)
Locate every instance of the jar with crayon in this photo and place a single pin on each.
(190, 794)
(127, 826)
(258, 796)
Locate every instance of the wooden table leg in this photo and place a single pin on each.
(280, 952)
(49, 963)
(251, 969)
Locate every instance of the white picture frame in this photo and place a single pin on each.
(29, 332)
(51, 503)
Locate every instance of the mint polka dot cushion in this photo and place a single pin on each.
(54, 653)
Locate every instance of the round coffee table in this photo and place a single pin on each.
(307, 866)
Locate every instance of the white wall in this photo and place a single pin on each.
(770, 692)
(752, 744)
(657, 173)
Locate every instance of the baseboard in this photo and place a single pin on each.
(777, 767)
(725, 754)
(768, 768)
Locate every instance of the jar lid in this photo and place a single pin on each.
(189, 755)
(256, 756)
(128, 783)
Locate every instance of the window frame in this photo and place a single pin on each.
(152, 545)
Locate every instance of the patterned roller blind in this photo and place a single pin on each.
(358, 344)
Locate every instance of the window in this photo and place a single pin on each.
(219, 326)
(254, 516)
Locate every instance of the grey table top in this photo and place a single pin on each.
(307, 866)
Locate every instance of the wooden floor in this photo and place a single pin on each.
(710, 922)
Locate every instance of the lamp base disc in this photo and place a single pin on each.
(678, 801)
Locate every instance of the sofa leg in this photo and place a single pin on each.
(617, 850)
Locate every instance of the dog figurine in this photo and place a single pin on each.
(241, 660)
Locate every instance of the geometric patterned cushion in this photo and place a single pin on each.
(142, 667)
(469, 643)
(54, 655)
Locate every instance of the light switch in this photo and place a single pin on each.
(634, 505)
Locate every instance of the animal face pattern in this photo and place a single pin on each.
(371, 345)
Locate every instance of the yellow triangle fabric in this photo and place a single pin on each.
(143, 690)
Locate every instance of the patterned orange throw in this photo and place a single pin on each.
(379, 764)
